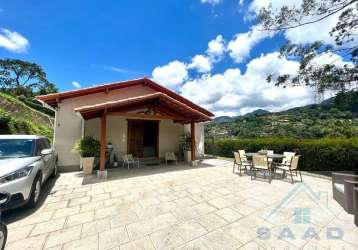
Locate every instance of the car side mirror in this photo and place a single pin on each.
(4, 198)
(46, 152)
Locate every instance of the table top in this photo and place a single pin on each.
(273, 156)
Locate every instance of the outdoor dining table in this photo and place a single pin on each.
(275, 158)
(271, 156)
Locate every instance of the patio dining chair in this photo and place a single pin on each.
(170, 156)
(243, 156)
(130, 160)
(270, 152)
(292, 167)
(260, 163)
(288, 157)
(240, 163)
(343, 185)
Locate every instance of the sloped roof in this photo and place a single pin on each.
(178, 110)
(55, 98)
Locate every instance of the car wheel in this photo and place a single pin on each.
(54, 171)
(35, 193)
(3, 236)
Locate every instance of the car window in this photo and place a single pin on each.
(13, 148)
(40, 146)
(47, 143)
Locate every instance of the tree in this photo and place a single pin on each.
(329, 76)
(23, 78)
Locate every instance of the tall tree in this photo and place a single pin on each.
(328, 76)
(24, 78)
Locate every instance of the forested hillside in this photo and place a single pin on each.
(335, 117)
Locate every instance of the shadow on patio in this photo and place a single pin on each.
(144, 170)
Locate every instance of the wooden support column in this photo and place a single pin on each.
(193, 146)
(102, 153)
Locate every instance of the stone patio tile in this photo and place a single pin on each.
(211, 221)
(58, 247)
(219, 240)
(66, 212)
(36, 218)
(95, 227)
(229, 214)
(166, 238)
(100, 197)
(48, 226)
(141, 244)
(146, 202)
(19, 233)
(88, 243)
(55, 205)
(113, 202)
(105, 212)
(74, 195)
(123, 219)
(197, 244)
(220, 202)
(33, 243)
(239, 232)
(77, 201)
(63, 236)
(91, 206)
(252, 245)
(190, 230)
(113, 238)
(203, 208)
(79, 218)
(184, 202)
(243, 209)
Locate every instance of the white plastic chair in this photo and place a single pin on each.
(129, 159)
(170, 156)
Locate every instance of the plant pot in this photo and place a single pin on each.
(87, 165)
(187, 156)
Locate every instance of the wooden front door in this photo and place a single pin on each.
(135, 138)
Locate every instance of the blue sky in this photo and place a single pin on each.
(82, 43)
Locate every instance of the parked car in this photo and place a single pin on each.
(26, 162)
(4, 199)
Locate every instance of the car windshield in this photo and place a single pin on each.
(13, 148)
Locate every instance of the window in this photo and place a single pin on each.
(41, 145)
(13, 148)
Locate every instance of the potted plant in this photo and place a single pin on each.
(185, 146)
(88, 148)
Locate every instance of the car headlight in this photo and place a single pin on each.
(26, 171)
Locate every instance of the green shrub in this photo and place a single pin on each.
(87, 147)
(12, 125)
(327, 154)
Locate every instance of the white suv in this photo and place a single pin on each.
(26, 162)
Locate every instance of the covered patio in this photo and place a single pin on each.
(140, 116)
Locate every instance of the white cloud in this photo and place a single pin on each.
(76, 84)
(305, 34)
(233, 93)
(13, 41)
(171, 75)
(216, 47)
(212, 2)
(201, 63)
(239, 48)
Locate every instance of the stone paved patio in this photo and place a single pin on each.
(190, 208)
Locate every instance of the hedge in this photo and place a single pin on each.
(327, 154)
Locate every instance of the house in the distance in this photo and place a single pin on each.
(139, 117)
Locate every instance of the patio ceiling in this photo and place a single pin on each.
(162, 105)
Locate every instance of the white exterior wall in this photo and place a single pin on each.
(68, 127)
(169, 134)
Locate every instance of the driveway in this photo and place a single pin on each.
(207, 207)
